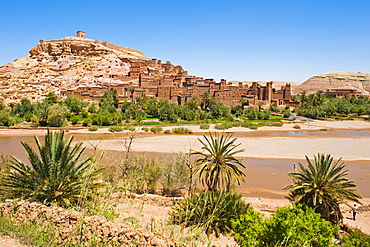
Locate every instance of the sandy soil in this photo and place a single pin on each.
(259, 146)
(6, 241)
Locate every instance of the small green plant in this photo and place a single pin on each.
(276, 124)
(323, 129)
(356, 239)
(115, 129)
(182, 130)
(156, 129)
(250, 125)
(289, 226)
(212, 211)
(93, 128)
(297, 127)
(220, 127)
(204, 126)
(86, 122)
(167, 132)
(56, 173)
(129, 128)
(29, 233)
(146, 129)
(287, 113)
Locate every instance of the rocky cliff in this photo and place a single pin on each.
(57, 65)
(336, 80)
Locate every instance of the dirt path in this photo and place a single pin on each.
(6, 241)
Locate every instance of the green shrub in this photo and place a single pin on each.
(156, 129)
(86, 122)
(167, 132)
(289, 226)
(297, 127)
(250, 126)
(182, 130)
(287, 113)
(253, 126)
(146, 129)
(204, 126)
(29, 233)
(276, 124)
(227, 125)
(220, 127)
(56, 173)
(93, 128)
(115, 129)
(129, 128)
(212, 211)
(356, 239)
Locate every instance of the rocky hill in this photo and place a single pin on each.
(70, 62)
(360, 82)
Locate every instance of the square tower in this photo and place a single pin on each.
(81, 34)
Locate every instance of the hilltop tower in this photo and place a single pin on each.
(81, 34)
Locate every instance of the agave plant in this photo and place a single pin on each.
(322, 186)
(54, 175)
(217, 167)
(209, 210)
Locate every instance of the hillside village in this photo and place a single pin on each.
(85, 68)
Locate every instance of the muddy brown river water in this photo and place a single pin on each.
(265, 176)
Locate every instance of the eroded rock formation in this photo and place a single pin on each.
(359, 82)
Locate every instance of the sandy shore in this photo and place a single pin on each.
(286, 147)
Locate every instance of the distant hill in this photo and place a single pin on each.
(336, 80)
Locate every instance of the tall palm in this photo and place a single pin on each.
(217, 167)
(54, 175)
(323, 186)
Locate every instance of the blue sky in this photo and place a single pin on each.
(266, 40)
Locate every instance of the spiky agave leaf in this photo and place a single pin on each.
(210, 210)
(57, 174)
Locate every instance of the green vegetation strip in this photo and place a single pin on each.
(30, 234)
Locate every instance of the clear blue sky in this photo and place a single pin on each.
(265, 40)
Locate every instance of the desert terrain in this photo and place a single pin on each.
(269, 143)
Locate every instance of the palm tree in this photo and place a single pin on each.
(218, 168)
(322, 186)
(54, 176)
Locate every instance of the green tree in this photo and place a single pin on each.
(193, 103)
(206, 101)
(55, 173)
(51, 98)
(57, 115)
(109, 100)
(289, 226)
(219, 110)
(5, 118)
(217, 167)
(74, 105)
(322, 186)
(24, 108)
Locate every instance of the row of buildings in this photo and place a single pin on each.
(167, 81)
